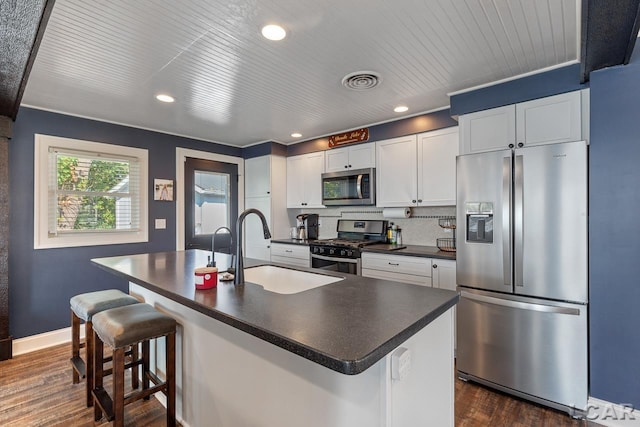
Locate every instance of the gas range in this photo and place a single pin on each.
(352, 236)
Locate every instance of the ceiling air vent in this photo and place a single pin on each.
(361, 80)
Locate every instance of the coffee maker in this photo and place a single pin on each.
(307, 226)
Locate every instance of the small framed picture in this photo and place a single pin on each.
(163, 189)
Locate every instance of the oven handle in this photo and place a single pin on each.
(359, 186)
(335, 259)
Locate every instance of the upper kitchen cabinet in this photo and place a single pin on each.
(488, 130)
(547, 120)
(356, 157)
(437, 153)
(397, 172)
(265, 180)
(417, 170)
(304, 180)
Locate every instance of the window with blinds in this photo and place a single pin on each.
(95, 193)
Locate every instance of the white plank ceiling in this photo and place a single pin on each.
(108, 59)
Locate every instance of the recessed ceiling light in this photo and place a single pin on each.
(164, 98)
(273, 32)
(401, 109)
(296, 135)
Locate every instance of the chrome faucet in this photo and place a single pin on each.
(239, 267)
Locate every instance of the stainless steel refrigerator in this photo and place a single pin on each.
(522, 272)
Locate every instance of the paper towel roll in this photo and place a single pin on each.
(396, 212)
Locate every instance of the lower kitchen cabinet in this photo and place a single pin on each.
(443, 274)
(296, 255)
(400, 268)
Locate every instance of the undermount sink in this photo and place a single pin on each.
(286, 280)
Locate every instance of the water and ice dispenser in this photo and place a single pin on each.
(479, 217)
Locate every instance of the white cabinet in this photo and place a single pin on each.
(443, 273)
(548, 120)
(297, 255)
(437, 153)
(417, 170)
(488, 130)
(356, 157)
(265, 179)
(399, 268)
(397, 172)
(304, 184)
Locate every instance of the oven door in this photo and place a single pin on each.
(342, 265)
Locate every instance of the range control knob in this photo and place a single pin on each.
(332, 251)
(350, 253)
(343, 253)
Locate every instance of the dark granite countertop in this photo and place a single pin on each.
(412, 250)
(346, 326)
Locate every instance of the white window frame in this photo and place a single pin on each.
(41, 237)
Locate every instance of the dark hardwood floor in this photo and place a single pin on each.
(36, 390)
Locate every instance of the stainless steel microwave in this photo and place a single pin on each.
(349, 188)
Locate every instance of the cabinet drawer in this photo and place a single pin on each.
(397, 264)
(397, 277)
(298, 262)
(290, 251)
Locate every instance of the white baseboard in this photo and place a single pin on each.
(44, 340)
(612, 414)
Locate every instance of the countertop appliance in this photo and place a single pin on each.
(349, 188)
(522, 272)
(343, 253)
(307, 226)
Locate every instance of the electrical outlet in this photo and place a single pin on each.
(448, 230)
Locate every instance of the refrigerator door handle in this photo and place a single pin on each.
(518, 220)
(506, 220)
(520, 305)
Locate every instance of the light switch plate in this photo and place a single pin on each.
(161, 223)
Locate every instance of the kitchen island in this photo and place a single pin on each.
(322, 357)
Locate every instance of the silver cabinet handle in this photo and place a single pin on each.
(520, 305)
(288, 250)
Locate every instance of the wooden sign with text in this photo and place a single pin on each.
(350, 137)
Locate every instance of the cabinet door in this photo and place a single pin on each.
(443, 272)
(257, 176)
(397, 172)
(437, 153)
(550, 120)
(337, 160)
(488, 130)
(362, 156)
(295, 181)
(255, 245)
(312, 175)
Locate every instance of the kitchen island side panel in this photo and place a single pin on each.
(229, 378)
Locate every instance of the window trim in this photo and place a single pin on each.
(181, 156)
(41, 237)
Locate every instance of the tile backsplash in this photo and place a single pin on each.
(420, 229)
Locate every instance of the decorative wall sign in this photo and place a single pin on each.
(350, 137)
(163, 189)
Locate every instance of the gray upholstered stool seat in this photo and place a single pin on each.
(83, 308)
(88, 304)
(123, 326)
(120, 328)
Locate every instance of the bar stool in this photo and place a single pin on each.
(120, 328)
(83, 308)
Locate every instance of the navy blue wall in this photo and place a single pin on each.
(552, 82)
(614, 239)
(423, 123)
(42, 281)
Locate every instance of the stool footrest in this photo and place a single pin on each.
(78, 364)
(103, 400)
(109, 371)
(134, 397)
